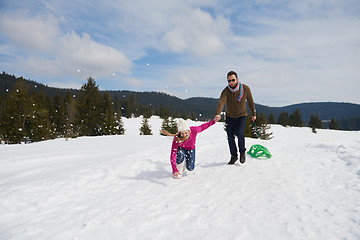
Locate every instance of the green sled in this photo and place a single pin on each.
(259, 151)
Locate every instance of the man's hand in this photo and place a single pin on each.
(217, 118)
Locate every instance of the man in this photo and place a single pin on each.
(234, 96)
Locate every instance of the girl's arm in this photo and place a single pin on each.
(204, 126)
(174, 148)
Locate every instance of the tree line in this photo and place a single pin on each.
(295, 119)
(30, 116)
(199, 108)
(27, 117)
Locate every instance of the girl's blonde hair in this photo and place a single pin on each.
(177, 135)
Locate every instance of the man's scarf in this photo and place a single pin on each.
(238, 87)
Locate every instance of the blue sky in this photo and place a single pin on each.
(287, 51)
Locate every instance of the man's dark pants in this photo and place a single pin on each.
(236, 126)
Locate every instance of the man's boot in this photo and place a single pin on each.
(233, 160)
(242, 157)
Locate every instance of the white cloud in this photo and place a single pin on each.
(196, 33)
(46, 50)
(94, 58)
(134, 82)
(180, 27)
(33, 34)
(65, 84)
(184, 79)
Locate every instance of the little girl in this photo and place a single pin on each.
(183, 146)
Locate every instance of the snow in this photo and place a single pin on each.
(121, 187)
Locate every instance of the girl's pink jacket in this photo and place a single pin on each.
(189, 144)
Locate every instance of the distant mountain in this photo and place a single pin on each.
(7, 83)
(205, 107)
(325, 110)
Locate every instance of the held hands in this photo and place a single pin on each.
(217, 118)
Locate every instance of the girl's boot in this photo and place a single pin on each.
(181, 167)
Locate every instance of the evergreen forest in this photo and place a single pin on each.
(31, 112)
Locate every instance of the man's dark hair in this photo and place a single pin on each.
(232, 73)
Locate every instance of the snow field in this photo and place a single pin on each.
(120, 187)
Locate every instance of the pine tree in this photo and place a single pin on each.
(315, 123)
(164, 112)
(88, 109)
(117, 105)
(173, 126)
(59, 116)
(260, 128)
(170, 125)
(119, 125)
(49, 106)
(129, 107)
(17, 111)
(18, 108)
(284, 119)
(295, 119)
(271, 119)
(145, 127)
(184, 115)
(333, 124)
(175, 114)
(2, 110)
(146, 111)
(108, 121)
(165, 124)
(38, 125)
(134, 108)
(70, 115)
(125, 108)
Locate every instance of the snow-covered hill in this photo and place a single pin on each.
(121, 187)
